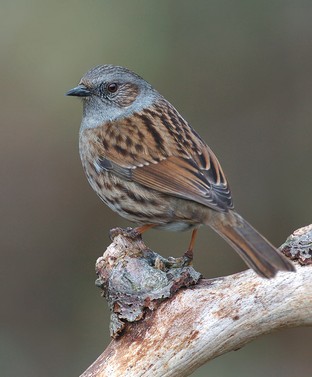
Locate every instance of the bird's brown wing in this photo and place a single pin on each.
(161, 151)
(182, 178)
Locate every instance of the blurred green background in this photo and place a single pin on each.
(240, 72)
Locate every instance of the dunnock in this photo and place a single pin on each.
(150, 166)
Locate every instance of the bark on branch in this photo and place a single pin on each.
(209, 319)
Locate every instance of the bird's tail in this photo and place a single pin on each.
(254, 249)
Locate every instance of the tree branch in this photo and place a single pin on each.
(211, 318)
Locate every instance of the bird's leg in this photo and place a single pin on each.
(142, 229)
(138, 231)
(187, 257)
(189, 252)
(183, 261)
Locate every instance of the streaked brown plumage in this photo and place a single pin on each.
(149, 165)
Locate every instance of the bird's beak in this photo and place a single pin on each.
(79, 91)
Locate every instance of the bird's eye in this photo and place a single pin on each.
(112, 87)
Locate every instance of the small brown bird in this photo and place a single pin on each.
(150, 166)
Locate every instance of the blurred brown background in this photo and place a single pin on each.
(240, 72)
